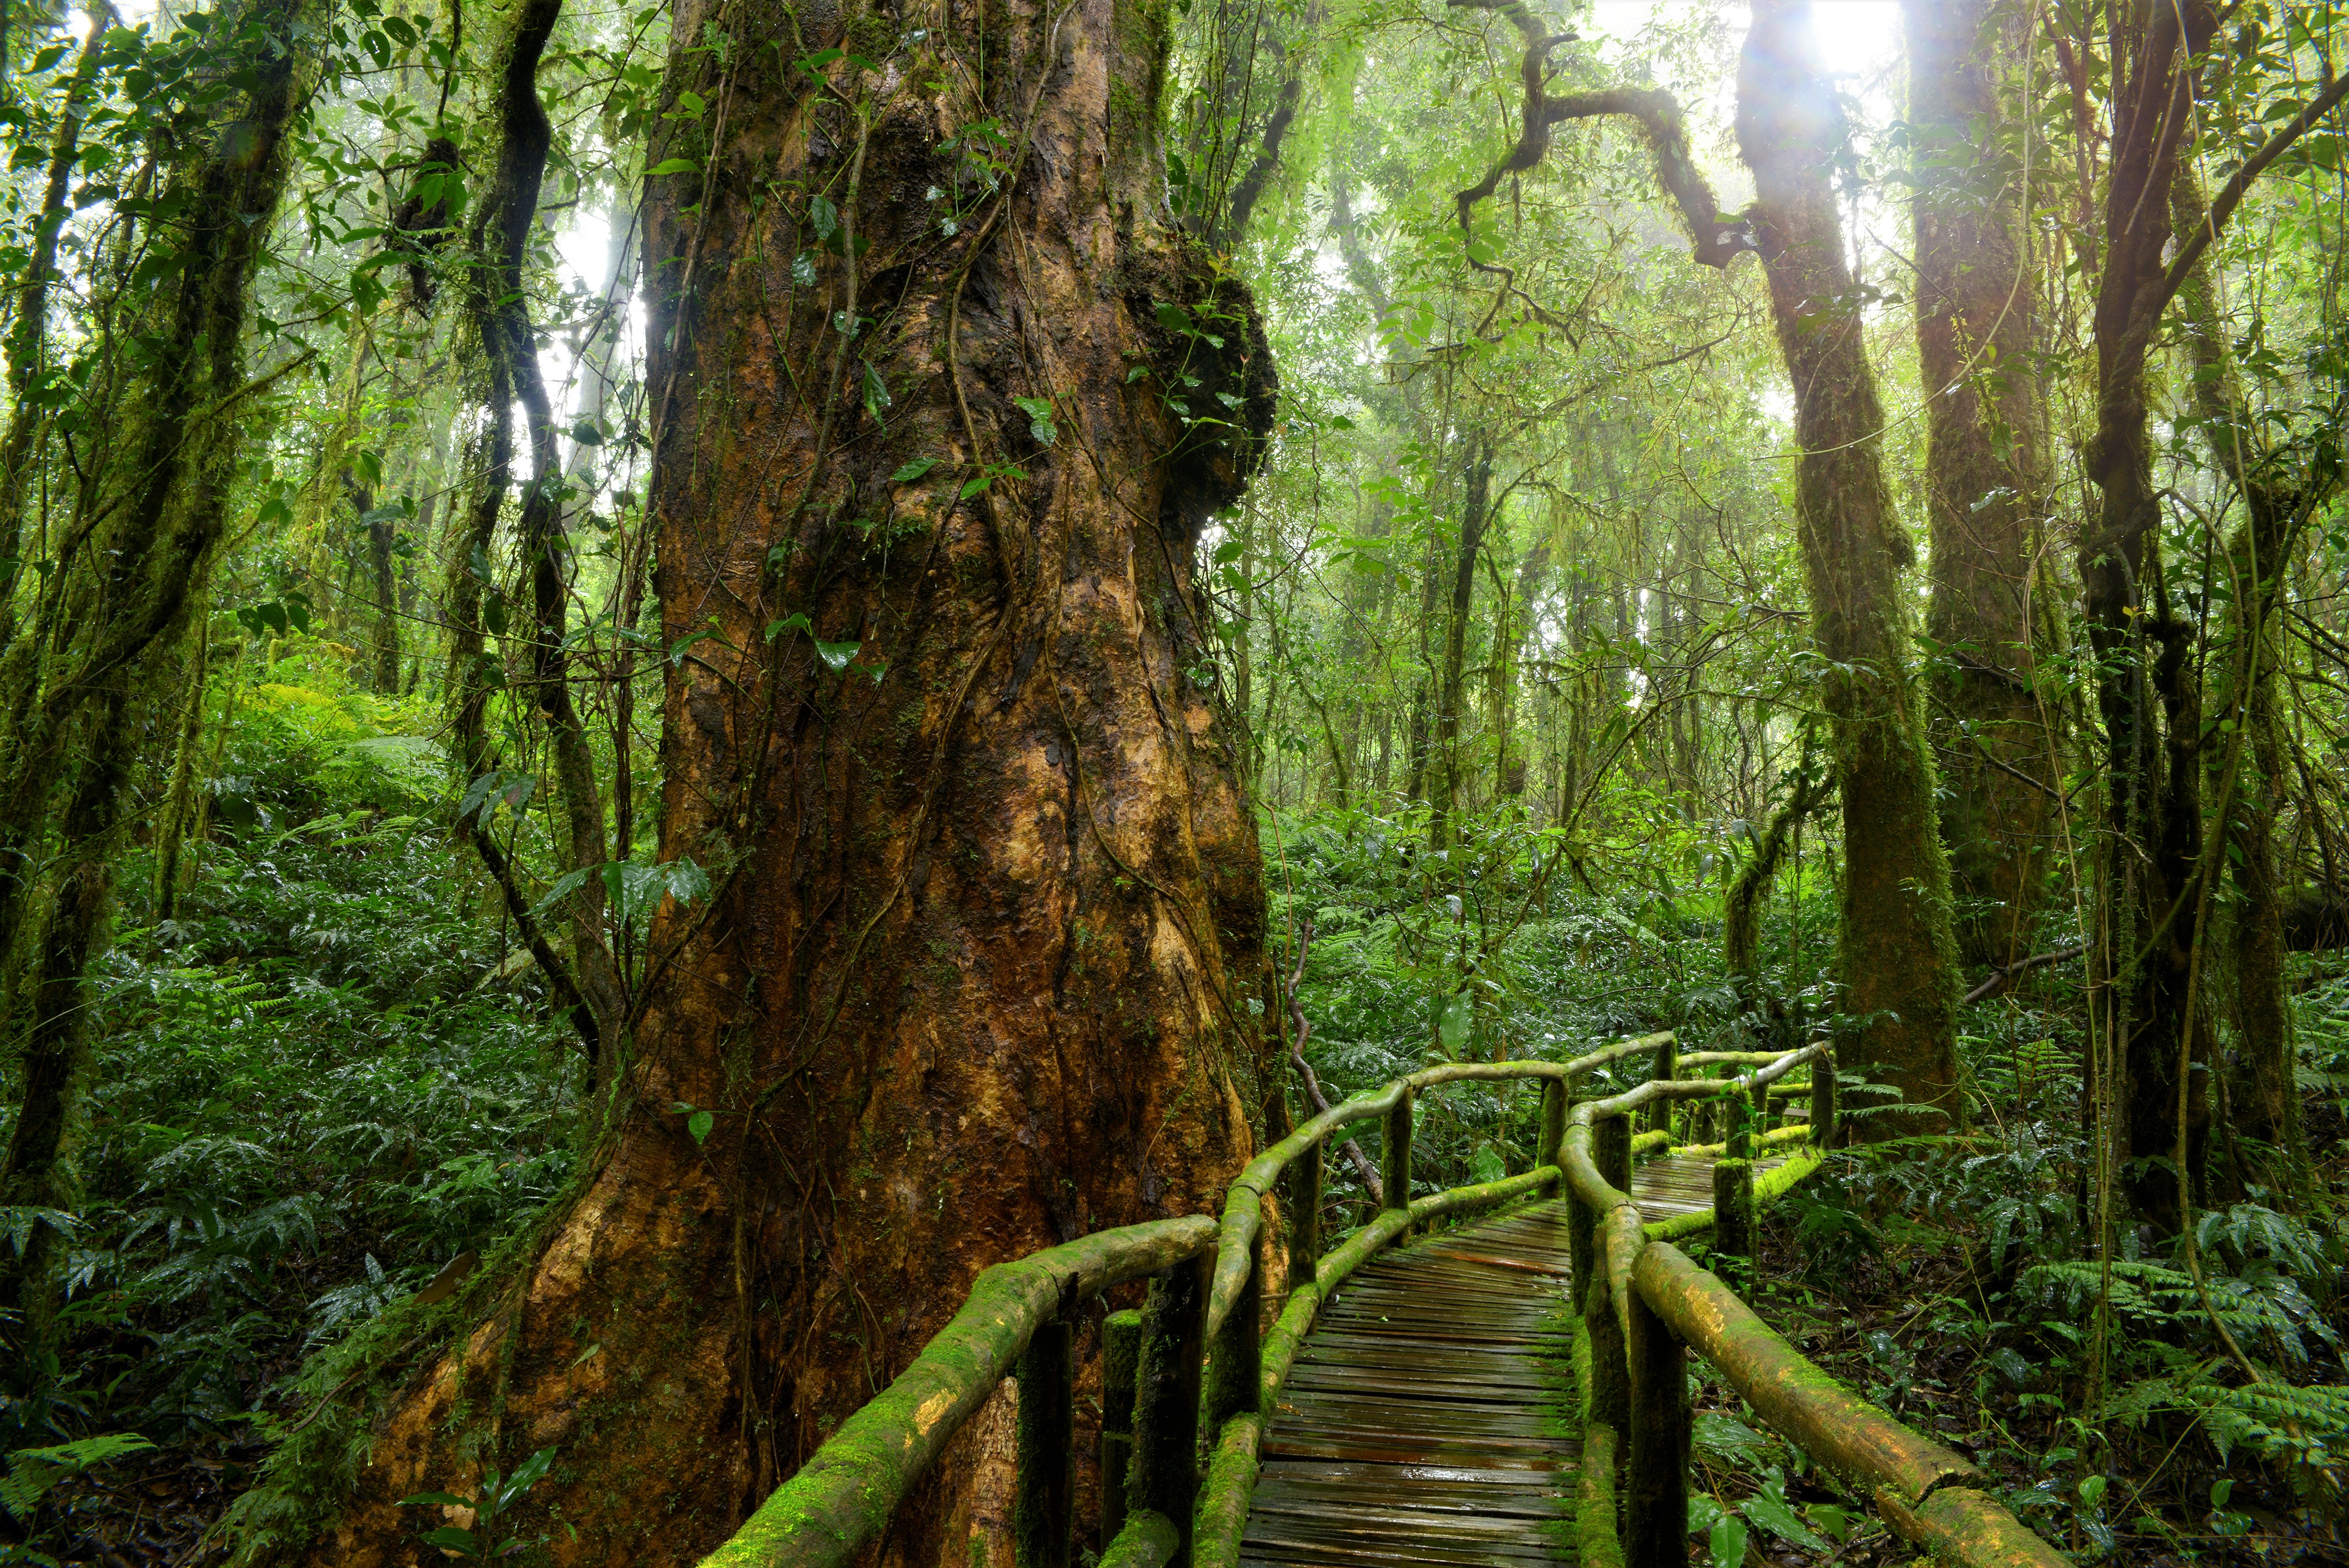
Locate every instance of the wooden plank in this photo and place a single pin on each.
(1420, 1424)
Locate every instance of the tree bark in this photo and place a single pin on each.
(2146, 693)
(1896, 955)
(987, 900)
(2278, 495)
(157, 507)
(1985, 478)
(589, 981)
(1476, 506)
(28, 328)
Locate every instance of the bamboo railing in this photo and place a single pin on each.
(1194, 1357)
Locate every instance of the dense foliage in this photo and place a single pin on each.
(326, 927)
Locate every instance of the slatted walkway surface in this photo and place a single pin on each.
(1429, 1417)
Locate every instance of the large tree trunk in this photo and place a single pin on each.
(1897, 956)
(1985, 475)
(972, 979)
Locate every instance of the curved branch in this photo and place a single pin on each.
(2230, 195)
(1655, 111)
(1251, 187)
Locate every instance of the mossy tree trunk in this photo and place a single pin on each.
(2280, 490)
(972, 975)
(1985, 479)
(1450, 768)
(1896, 955)
(85, 671)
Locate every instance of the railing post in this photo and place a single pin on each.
(1761, 1123)
(1044, 1511)
(1581, 1223)
(1610, 1150)
(1304, 1215)
(1165, 1474)
(1655, 1486)
(1614, 1163)
(1823, 1102)
(1733, 1226)
(1667, 1067)
(1120, 1358)
(1394, 1159)
(1235, 1370)
(1740, 1138)
(1608, 1397)
(1550, 1147)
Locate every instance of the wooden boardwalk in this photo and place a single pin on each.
(1430, 1415)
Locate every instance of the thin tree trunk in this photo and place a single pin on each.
(987, 900)
(1475, 490)
(2146, 694)
(28, 330)
(2277, 500)
(1896, 953)
(383, 675)
(179, 798)
(158, 486)
(501, 315)
(1513, 636)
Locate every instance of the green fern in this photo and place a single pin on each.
(33, 1471)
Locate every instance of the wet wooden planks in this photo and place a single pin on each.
(1429, 1417)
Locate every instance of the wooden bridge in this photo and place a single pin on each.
(1414, 1401)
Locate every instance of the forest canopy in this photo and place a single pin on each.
(672, 675)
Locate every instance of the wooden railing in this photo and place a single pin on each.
(1194, 1355)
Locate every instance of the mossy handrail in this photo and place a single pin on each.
(1206, 1278)
(1646, 1300)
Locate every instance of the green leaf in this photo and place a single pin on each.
(698, 1124)
(1727, 1543)
(585, 433)
(836, 655)
(1769, 1508)
(449, 1538)
(972, 487)
(435, 1500)
(793, 622)
(1453, 1029)
(876, 391)
(906, 474)
(1173, 318)
(824, 216)
(672, 166)
(1040, 419)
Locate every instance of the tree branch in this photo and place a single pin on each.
(1998, 979)
(1656, 112)
(2230, 195)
